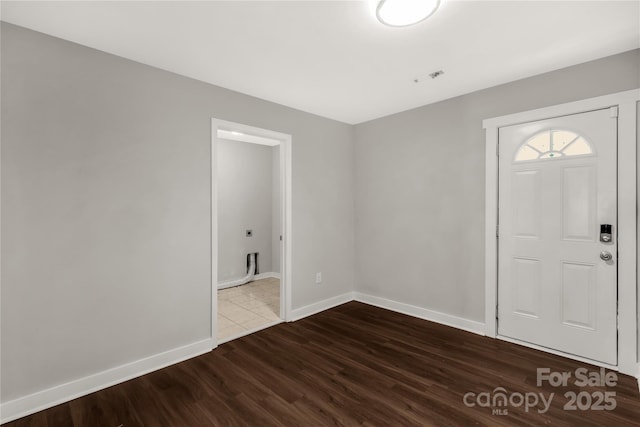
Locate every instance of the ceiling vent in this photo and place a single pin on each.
(431, 76)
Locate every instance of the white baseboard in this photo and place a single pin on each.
(422, 313)
(319, 306)
(411, 310)
(270, 275)
(44, 399)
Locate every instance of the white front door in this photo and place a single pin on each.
(557, 193)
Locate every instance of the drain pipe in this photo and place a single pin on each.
(246, 279)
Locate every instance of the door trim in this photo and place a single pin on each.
(627, 230)
(285, 206)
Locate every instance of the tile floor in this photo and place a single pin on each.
(247, 307)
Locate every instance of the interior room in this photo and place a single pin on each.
(439, 228)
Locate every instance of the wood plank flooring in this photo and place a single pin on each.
(351, 365)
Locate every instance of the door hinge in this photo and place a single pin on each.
(613, 112)
(498, 149)
(497, 231)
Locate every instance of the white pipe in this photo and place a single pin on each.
(246, 279)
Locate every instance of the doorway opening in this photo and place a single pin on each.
(251, 213)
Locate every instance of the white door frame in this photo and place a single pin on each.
(285, 208)
(627, 237)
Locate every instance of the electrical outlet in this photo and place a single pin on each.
(318, 277)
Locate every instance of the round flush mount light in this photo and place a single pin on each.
(401, 13)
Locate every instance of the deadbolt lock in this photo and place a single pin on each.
(605, 233)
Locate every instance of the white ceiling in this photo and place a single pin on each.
(332, 58)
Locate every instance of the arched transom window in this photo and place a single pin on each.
(553, 144)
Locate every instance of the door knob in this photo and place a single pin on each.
(606, 256)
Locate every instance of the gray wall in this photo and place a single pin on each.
(276, 214)
(245, 196)
(420, 186)
(106, 208)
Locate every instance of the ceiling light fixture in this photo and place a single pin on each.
(401, 13)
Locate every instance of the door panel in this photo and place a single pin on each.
(526, 203)
(578, 295)
(526, 277)
(579, 203)
(557, 184)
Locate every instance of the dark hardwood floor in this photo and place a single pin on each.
(352, 365)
